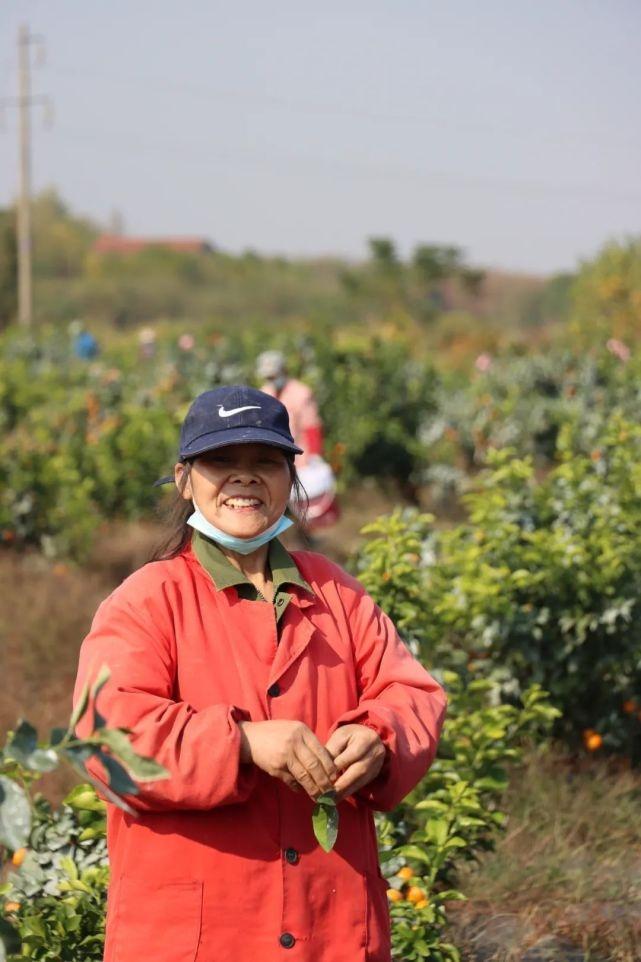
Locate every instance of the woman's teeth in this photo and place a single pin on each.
(242, 502)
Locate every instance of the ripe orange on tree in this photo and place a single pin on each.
(18, 857)
(415, 894)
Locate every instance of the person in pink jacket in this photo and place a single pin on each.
(304, 420)
(259, 680)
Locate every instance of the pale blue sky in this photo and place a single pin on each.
(509, 127)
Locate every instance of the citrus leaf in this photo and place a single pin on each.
(80, 709)
(15, 815)
(325, 822)
(119, 780)
(144, 769)
(23, 742)
(9, 940)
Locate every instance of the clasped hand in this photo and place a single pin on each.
(290, 751)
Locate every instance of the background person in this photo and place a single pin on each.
(304, 419)
(260, 680)
(321, 507)
(85, 346)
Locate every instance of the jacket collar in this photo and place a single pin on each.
(225, 575)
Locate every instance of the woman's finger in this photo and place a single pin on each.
(360, 773)
(350, 754)
(338, 741)
(355, 787)
(305, 780)
(290, 781)
(314, 769)
(321, 755)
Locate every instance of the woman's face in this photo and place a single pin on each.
(243, 489)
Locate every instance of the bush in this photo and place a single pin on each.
(53, 907)
(540, 586)
(454, 813)
(85, 442)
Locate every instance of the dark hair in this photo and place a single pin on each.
(178, 533)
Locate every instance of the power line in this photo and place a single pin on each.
(201, 154)
(202, 91)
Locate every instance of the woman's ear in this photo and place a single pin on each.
(183, 481)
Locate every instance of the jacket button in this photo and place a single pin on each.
(291, 856)
(274, 690)
(287, 940)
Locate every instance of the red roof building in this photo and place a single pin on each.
(117, 244)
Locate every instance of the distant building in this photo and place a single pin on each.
(117, 244)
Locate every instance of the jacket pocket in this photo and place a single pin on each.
(158, 922)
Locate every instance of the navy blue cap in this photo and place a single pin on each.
(233, 415)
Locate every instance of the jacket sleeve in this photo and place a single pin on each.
(200, 749)
(398, 698)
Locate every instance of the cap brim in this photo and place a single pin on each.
(209, 442)
(166, 480)
(252, 435)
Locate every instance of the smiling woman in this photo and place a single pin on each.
(242, 488)
(261, 680)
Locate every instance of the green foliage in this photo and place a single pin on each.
(607, 294)
(84, 442)
(539, 586)
(61, 884)
(55, 905)
(8, 268)
(373, 401)
(454, 813)
(525, 403)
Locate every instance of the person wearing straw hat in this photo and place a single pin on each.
(260, 680)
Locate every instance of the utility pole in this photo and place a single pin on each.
(25, 292)
(24, 101)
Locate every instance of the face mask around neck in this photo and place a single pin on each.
(229, 541)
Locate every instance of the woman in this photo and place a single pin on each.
(260, 680)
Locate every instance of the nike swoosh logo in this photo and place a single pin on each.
(227, 414)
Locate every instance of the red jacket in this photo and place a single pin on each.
(222, 863)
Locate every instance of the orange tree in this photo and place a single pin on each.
(541, 585)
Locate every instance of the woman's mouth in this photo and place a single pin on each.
(240, 503)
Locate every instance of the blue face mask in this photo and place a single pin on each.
(242, 545)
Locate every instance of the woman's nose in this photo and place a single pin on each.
(244, 476)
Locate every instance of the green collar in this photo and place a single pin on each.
(225, 575)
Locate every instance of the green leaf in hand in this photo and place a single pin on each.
(325, 821)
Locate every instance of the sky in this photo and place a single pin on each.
(509, 128)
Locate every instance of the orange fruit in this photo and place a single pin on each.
(415, 894)
(593, 742)
(11, 906)
(18, 857)
(596, 455)
(394, 895)
(629, 706)
(405, 873)
(422, 904)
